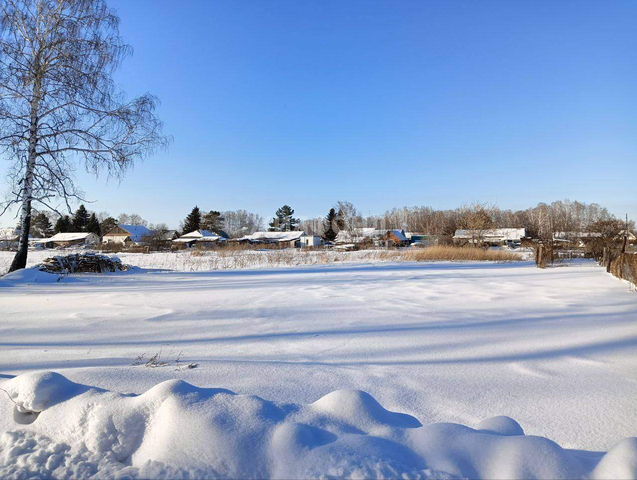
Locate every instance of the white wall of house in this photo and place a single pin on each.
(310, 241)
(119, 239)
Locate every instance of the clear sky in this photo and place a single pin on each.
(382, 103)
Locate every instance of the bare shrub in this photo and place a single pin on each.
(159, 359)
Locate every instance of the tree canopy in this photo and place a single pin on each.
(192, 222)
(284, 220)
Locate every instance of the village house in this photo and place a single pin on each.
(161, 239)
(126, 235)
(69, 239)
(282, 239)
(359, 235)
(370, 235)
(168, 235)
(493, 237)
(311, 241)
(201, 238)
(395, 238)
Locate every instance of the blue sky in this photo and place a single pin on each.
(381, 103)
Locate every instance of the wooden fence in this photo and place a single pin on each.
(623, 266)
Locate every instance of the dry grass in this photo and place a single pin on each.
(451, 253)
(223, 259)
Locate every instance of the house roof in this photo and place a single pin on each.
(67, 237)
(493, 233)
(135, 232)
(399, 234)
(275, 236)
(168, 235)
(199, 236)
(357, 234)
(629, 234)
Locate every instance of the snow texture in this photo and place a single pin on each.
(177, 430)
(466, 343)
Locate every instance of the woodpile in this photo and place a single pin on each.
(82, 263)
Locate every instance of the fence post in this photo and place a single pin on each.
(624, 242)
(605, 256)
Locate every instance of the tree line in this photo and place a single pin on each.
(542, 221)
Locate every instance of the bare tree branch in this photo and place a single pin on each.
(59, 105)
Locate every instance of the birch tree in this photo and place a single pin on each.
(59, 106)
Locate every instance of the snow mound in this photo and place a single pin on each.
(29, 275)
(33, 392)
(501, 425)
(177, 430)
(620, 462)
(34, 274)
(361, 410)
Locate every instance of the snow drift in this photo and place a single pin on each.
(176, 430)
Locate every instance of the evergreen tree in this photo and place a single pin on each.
(93, 225)
(41, 226)
(193, 221)
(108, 224)
(284, 220)
(63, 224)
(80, 219)
(212, 221)
(331, 221)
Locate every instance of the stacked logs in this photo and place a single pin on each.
(82, 263)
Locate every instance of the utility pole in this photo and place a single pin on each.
(625, 242)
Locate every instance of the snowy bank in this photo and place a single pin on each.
(36, 275)
(28, 276)
(176, 430)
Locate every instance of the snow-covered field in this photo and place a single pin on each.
(553, 349)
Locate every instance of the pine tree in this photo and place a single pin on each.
(284, 220)
(331, 221)
(63, 224)
(193, 221)
(93, 225)
(212, 221)
(108, 224)
(80, 219)
(41, 226)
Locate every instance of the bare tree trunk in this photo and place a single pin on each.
(20, 259)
